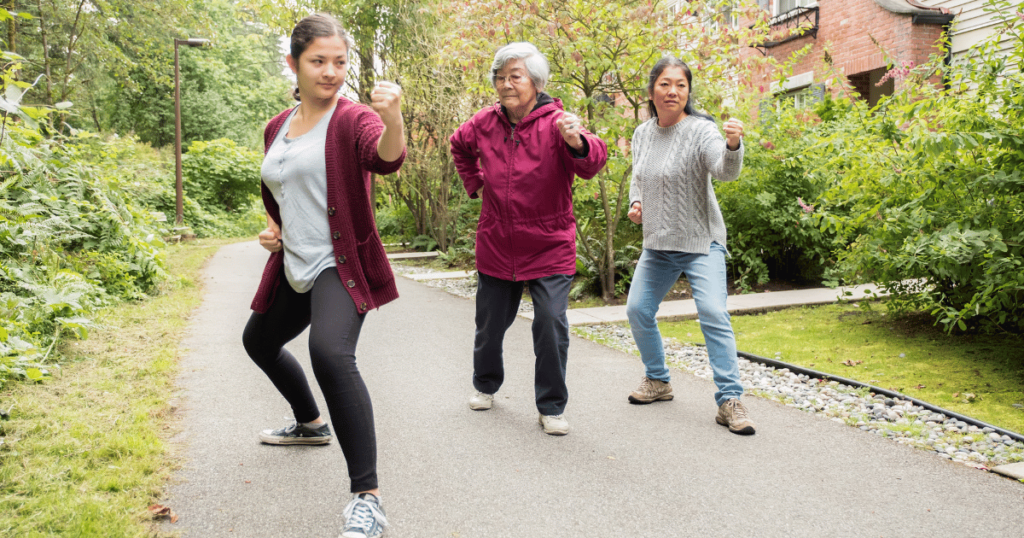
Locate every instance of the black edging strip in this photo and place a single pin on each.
(877, 390)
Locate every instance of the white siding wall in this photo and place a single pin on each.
(972, 24)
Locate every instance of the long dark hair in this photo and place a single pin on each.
(664, 63)
(312, 27)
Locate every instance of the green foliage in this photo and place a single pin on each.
(220, 174)
(228, 89)
(395, 223)
(929, 189)
(600, 54)
(70, 241)
(764, 210)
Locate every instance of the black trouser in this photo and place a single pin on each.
(497, 302)
(334, 325)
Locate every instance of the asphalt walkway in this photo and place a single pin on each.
(664, 470)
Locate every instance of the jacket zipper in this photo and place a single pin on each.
(508, 200)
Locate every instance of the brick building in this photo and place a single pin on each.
(860, 36)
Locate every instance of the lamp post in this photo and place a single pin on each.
(179, 205)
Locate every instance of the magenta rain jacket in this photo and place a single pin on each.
(527, 229)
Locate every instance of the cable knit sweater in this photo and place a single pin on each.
(672, 171)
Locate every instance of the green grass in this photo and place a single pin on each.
(907, 354)
(85, 453)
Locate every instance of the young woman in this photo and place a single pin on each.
(675, 155)
(328, 266)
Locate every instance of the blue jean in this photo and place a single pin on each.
(655, 274)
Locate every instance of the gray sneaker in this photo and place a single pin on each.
(650, 391)
(364, 517)
(481, 401)
(297, 434)
(554, 424)
(734, 415)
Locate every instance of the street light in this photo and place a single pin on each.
(179, 215)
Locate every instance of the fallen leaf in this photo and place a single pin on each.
(160, 511)
(956, 394)
(919, 386)
(850, 362)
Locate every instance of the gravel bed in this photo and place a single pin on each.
(898, 420)
(895, 419)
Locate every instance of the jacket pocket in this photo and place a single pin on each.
(374, 263)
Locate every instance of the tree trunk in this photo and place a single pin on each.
(12, 29)
(46, 53)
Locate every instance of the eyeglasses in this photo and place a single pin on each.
(514, 79)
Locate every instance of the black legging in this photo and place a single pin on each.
(334, 325)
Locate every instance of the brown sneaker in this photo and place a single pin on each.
(734, 415)
(651, 390)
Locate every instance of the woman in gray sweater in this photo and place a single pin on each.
(675, 155)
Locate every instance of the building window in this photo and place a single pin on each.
(782, 6)
(722, 18)
(799, 90)
(802, 98)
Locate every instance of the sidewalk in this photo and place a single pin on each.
(687, 308)
(662, 470)
(737, 304)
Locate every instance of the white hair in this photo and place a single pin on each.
(536, 63)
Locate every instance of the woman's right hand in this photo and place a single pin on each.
(270, 238)
(635, 213)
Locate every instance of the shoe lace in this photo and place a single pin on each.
(361, 514)
(645, 385)
(738, 410)
(288, 428)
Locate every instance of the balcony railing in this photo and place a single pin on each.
(804, 18)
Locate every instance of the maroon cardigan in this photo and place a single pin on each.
(351, 155)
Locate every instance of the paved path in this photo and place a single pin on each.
(664, 470)
(736, 304)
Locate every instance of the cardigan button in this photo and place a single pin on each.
(362, 307)
(336, 235)
(351, 283)
(341, 259)
(330, 211)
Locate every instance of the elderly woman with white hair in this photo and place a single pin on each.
(521, 156)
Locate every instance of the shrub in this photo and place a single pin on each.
(219, 174)
(764, 208)
(70, 240)
(928, 186)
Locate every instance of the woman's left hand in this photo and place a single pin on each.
(386, 100)
(733, 133)
(572, 130)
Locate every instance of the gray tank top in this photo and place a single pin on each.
(295, 171)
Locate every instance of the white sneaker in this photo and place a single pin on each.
(481, 401)
(364, 517)
(554, 424)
